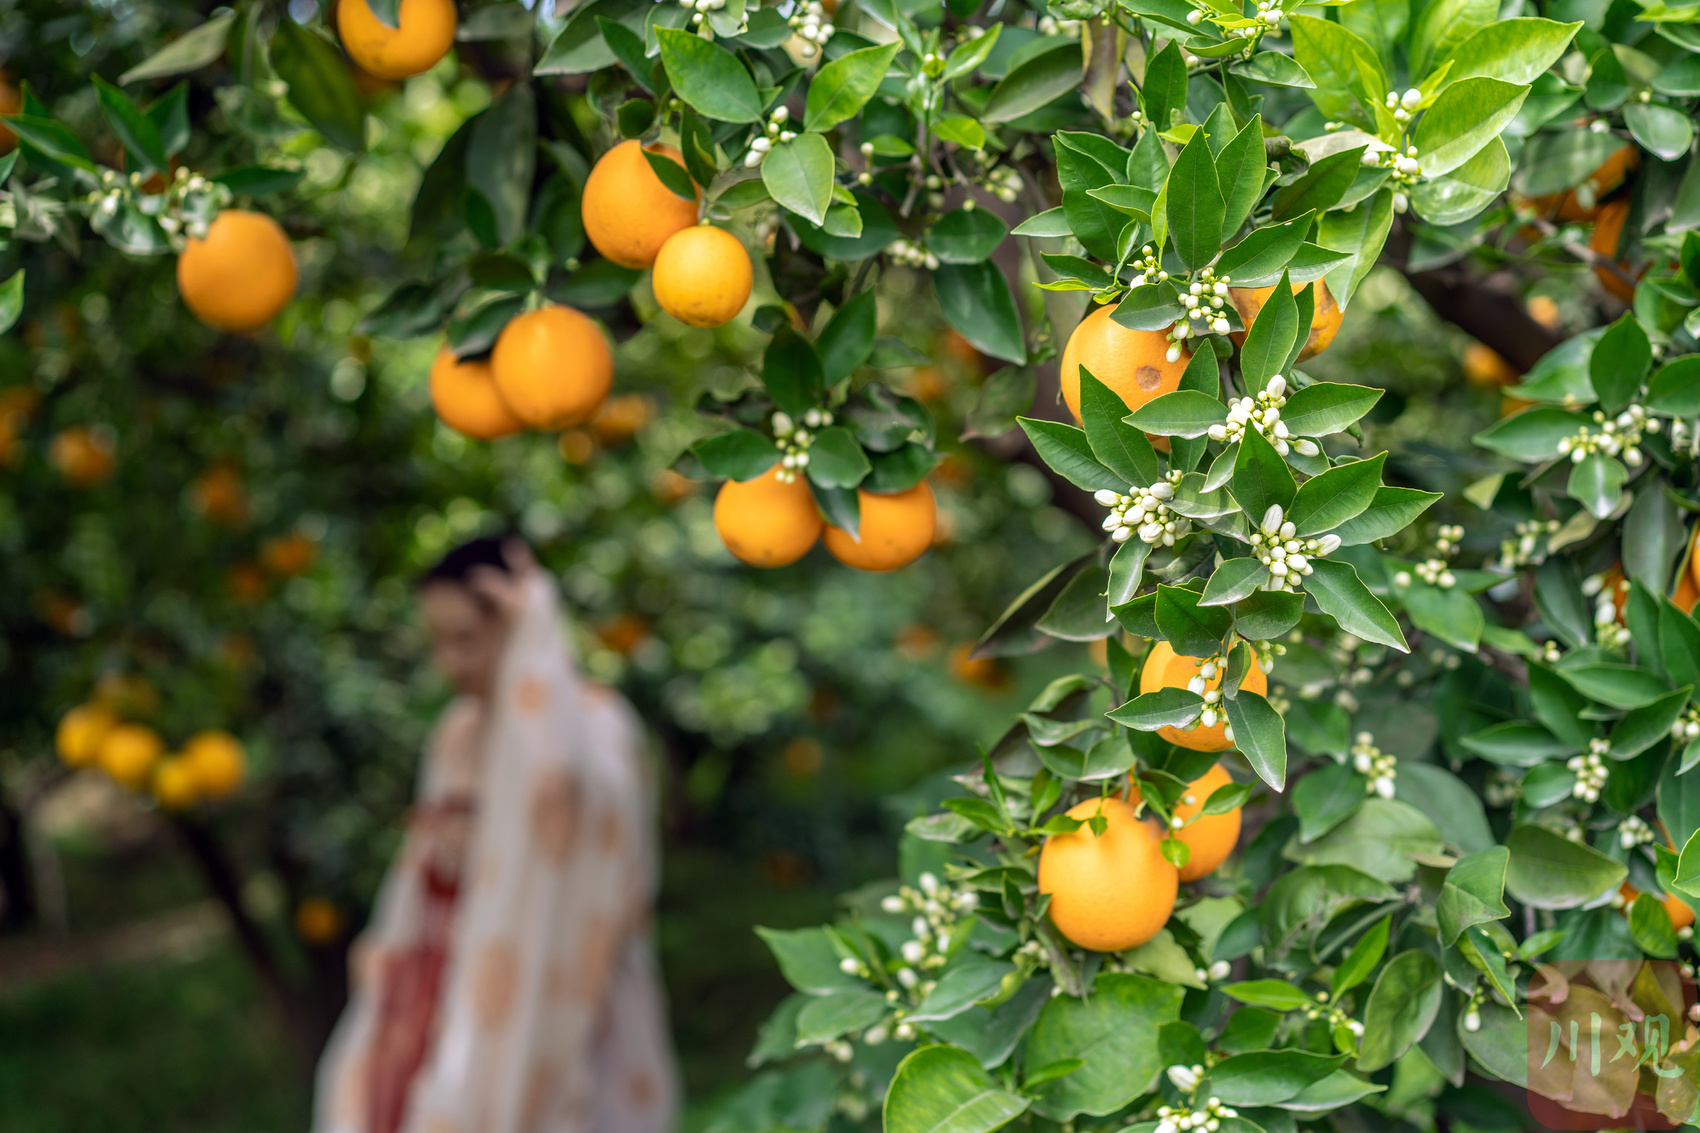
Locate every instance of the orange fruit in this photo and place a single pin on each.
(896, 529)
(174, 784)
(1164, 668)
(80, 732)
(702, 276)
(128, 752)
(1213, 837)
(624, 633)
(1133, 363)
(1109, 891)
(628, 213)
(247, 583)
(218, 496)
(553, 367)
(981, 672)
(1608, 234)
(766, 522)
(82, 456)
(1681, 916)
(1544, 310)
(1325, 319)
(1483, 367)
(289, 555)
(318, 921)
(11, 102)
(1582, 203)
(218, 761)
(467, 401)
(623, 417)
(425, 32)
(241, 275)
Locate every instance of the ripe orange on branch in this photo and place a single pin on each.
(767, 522)
(1113, 890)
(1133, 363)
(1681, 916)
(1210, 839)
(425, 32)
(80, 732)
(896, 529)
(83, 456)
(467, 400)
(703, 276)
(241, 274)
(128, 753)
(552, 367)
(1325, 318)
(1164, 668)
(174, 786)
(628, 213)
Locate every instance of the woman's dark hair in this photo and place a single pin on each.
(457, 566)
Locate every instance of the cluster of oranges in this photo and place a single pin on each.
(1135, 363)
(1116, 889)
(551, 369)
(769, 522)
(104, 733)
(1597, 201)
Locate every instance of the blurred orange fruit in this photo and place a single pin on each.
(241, 275)
(83, 456)
(289, 554)
(174, 784)
(553, 367)
(1608, 235)
(218, 761)
(466, 399)
(80, 732)
(425, 32)
(981, 672)
(1483, 367)
(623, 417)
(218, 495)
(628, 213)
(128, 752)
(318, 922)
(247, 583)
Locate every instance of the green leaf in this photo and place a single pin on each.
(1643, 727)
(1327, 407)
(1193, 630)
(1390, 512)
(1037, 82)
(1443, 26)
(1401, 1006)
(1321, 186)
(1164, 708)
(966, 235)
(1513, 51)
(259, 180)
(808, 960)
(668, 171)
(1279, 995)
(1650, 925)
(791, 371)
(1619, 686)
(826, 1017)
(1259, 259)
(1261, 736)
(1068, 452)
(1338, 62)
(1261, 479)
(1518, 743)
(1327, 797)
(1618, 363)
(969, 54)
(11, 300)
(1597, 483)
(1549, 871)
(1266, 1077)
(941, 1089)
(1270, 339)
(849, 337)
(1383, 838)
(1455, 197)
(1240, 168)
(1117, 445)
(1363, 231)
(1341, 594)
(742, 454)
(135, 129)
(1115, 1031)
(1195, 205)
(320, 85)
(1466, 116)
(1234, 580)
(842, 87)
(799, 174)
(836, 460)
(1153, 306)
(199, 47)
(1051, 222)
(1274, 69)
(1663, 130)
(1531, 435)
(975, 299)
(1362, 959)
(1327, 500)
(501, 158)
(1165, 88)
(712, 81)
(1675, 389)
(1473, 893)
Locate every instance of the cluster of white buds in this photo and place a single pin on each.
(1145, 512)
(1607, 596)
(794, 440)
(935, 909)
(1502, 787)
(839, 1049)
(1203, 299)
(185, 207)
(813, 27)
(1473, 1012)
(1405, 169)
(1551, 652)
(1279, 548)
(1004, 183)
(1266, 652)
(911, 254)
(1209, 669)
(700, 9)
(1523, 547)
(1616, 436)
(1679, 433)
(1150, 267)
(1370, 760)
(1432, 571)
(1179, 1119)
(1215, 973)
(775, 131)
(1687, 727)
(1336, 1016)
(1591, 770)
(1263, 413)
(1404, 105)
(1050, 25)
(1447, 539)
(1633, 831)
(1269, 11)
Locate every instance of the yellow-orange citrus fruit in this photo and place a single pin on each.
(896, 528)
(466, 399)
(981, 672)
(628, 213)
(289, 554)
(1211, 838)
(1583, 202)
(174, 784)
(247, 582)
(128, 752)
(1544, 310)
(1608, 233)
(11, 102)
(623, 417)
(1687, 591)
(241, 275)
(702, 276)
(1325, 318)
(80, 732)
(1483, 367)
(1164, 668)
(1133, 363)
(318, 921)
(553, 367)
(1681, 916)
(218, 762)
(1109, 891)
(766, 522)
(425, 32)
(219, 496)
(82, 456)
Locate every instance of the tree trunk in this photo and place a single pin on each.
(17, 886)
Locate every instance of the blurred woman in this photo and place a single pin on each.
(506, 983)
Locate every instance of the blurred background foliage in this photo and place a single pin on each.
(799, 716)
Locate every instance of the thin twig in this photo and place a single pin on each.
(1584, 253)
